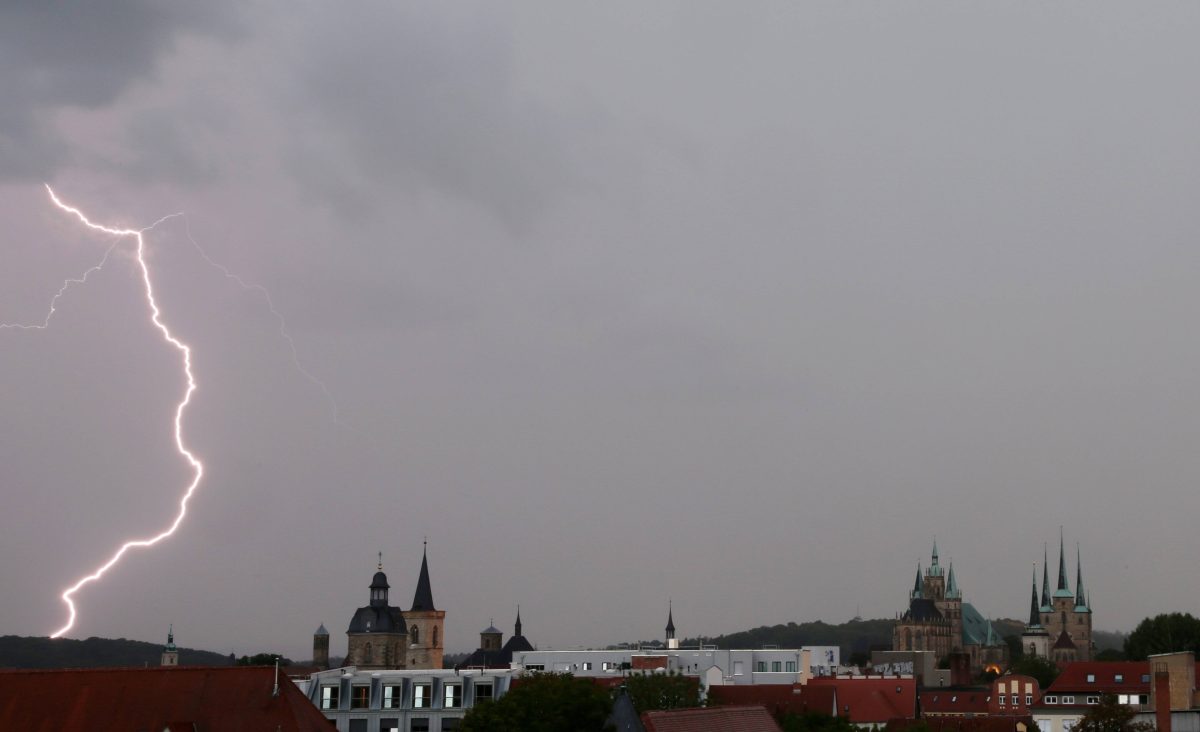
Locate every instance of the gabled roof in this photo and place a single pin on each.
(731, 719)
(231, 699)
(1064, 641)
(922, 609)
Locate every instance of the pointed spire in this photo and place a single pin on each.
(1035, 619)
(935, 554)
(379, 567)
(517, 625)
(916, 590)
(423, 599)
(171, 637)
(1080, 597)
(1045, 576)
(1064, 589)
(670, 620)
(951, 585)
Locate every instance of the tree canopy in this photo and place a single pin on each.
(543, 702)
(662, 691)
(1111, 716)
(1165, 633)
(1042, 669)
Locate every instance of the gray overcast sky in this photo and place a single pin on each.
(734, 304)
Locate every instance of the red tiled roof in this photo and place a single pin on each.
(726, 719)
(204, 699)
(778, 699)
(963, 724)
(955, 701)
(1074, 678)
(872, 699)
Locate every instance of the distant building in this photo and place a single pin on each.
(938, 620)
(320, 657)
(1080, 685)
(402, 700)
(236, 699)
(382, 636)
(492, 653)
(1065, 616)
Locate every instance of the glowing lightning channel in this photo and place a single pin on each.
(284, 333)
(184, 349)
(66, 285)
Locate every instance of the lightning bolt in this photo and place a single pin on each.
(284, 333)
(186, 353)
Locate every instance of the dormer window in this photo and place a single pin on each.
(1091, 678)
(1119, 678)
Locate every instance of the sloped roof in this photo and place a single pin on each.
(423, 597)
(1074, 678)
(922, 609)
(873, 700)
(517, 644)
(201, 698)
(377, 619)
(974, 626)
(955, 701)
(778, 699)
(731, 719)
(964, 724)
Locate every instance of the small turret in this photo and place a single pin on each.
(671, 640)
(170, 654)
(321, 647)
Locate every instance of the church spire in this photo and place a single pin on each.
(517, 625)
(951, 585)
(1045, 577)
(423, 599)
(1035, 620)
(1080, 596)
(1064, 590)
(916, 590)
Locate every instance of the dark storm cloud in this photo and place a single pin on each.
(80, 54)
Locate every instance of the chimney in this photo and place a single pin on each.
(1162, 697)
(960, 669)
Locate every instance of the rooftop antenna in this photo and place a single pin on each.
(275, 691)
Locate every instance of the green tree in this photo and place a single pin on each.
(543, 702)
(263, 659)
(1163, 634)
(1111, 716)
(815, 722)
(662, 691)
(1111, 654)
(1042, 669)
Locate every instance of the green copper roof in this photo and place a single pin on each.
(952, 586)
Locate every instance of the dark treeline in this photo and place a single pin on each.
(41, 652)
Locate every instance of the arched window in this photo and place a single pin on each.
(435, 634)
(414, 635)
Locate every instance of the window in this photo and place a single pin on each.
(1145, 678)
(587, 665)
(739, 668)
(391, 696)
(389, 724)
(1014, 700)
(483, 692)
(1094, 699)
(1119, 679)
(776, 666)
(360, 697)
(358, 725)
(535, 667)
(1091, 678)
(1028, 699)
(414, 635)
(421, 697)
(1122, 699)
(419, 724)
(329, 697)
(451, 723)
(1143, 699)
(761, 666)
(1051, 700)
(1068, 699)
(452, 696)
(790, 667)
(1001, 698)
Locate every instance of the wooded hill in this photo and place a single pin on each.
(41, 652)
